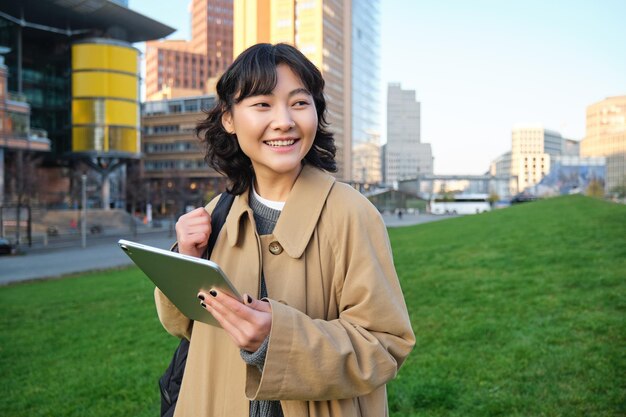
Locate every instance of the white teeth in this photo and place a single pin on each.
(281, 142)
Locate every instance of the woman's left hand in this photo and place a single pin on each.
(247, 323)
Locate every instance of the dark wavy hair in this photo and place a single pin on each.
(254, 73)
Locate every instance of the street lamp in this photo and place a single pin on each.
(83, 213)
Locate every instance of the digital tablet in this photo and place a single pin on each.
(180, 277)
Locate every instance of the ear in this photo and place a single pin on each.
(227, 122)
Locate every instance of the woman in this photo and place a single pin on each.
(323, 326)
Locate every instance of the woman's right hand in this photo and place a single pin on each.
(192, 232)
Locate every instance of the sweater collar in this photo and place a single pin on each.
(299, 216)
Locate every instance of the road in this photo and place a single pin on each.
(103, 253)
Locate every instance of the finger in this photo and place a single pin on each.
(198, 215)
(246, 326)
(193, 239)
(232, 329)
(188, 219)
(198, 212)
(197, 221)
(190, 226)
(246, 320)
(259, 305)
(226, 304)
(229, 322)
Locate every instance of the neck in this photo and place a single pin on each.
(274, 187)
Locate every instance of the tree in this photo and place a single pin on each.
(493, 198)
(595, 189)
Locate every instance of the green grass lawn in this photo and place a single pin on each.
(82, 346)
(518, 312)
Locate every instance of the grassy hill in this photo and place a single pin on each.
(517, 312)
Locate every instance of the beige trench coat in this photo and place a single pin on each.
(340, 327)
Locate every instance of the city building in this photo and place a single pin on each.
(173, 167)
(572, 174)
(571, 147)
(366, 94)
(73, 65)
(406, 156)
(532, 146)
(366, 162)
(18, 141)
(501, 165)
(180, 68)
(321, 29)
(606, 136)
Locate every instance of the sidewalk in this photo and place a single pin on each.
(99, 254)
(103, 253)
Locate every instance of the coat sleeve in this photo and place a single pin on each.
(311, 359)
(175, 322)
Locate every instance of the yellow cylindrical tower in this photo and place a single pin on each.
(105, 98)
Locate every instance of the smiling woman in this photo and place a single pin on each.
(282, 87)
(308, 254)
(275, 131)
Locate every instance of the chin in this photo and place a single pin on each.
(287, 168)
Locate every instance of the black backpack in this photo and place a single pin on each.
(172, 379)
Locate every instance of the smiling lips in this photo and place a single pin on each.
(280, 142)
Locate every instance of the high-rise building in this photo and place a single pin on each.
(606, 136)
(532, 146)
(72, 64)
(179, 68)
(406, 156)
(320, 29)
(365, 87)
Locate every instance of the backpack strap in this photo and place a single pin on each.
(218, 218)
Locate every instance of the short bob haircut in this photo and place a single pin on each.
(254, 73)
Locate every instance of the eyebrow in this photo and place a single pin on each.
(291, 93)
(300, 91)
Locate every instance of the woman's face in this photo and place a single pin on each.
(275, 131)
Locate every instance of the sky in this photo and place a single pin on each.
(481, 67)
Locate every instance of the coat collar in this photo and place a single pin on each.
(299, 216)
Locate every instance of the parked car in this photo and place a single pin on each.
(95, 229)
(6, 247)
(523, 198)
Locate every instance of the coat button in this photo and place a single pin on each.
(275, 248)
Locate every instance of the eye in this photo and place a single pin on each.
(261, 104)
(301, 103)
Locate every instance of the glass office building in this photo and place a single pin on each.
(365, 82)
(73, 63)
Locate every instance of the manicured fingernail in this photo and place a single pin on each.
(213, 293)
(200, 296)
(249, 299)
(203, 305)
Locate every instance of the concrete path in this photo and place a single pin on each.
(103, 253)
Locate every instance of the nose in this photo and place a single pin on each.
(282, 119)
